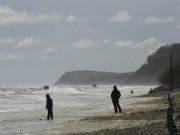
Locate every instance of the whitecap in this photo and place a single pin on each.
(26, 134)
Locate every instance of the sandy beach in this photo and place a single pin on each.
(146, 116)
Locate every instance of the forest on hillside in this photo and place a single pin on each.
(156, 63)
(147, 74)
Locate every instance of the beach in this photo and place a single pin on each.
(23, 110)
(145, 116)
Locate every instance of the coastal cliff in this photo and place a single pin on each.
(92, 77)
(147, 74)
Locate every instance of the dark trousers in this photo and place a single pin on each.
(117, 106)
(50, 113)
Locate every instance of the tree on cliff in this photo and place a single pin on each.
(164, 76)
(155, 64)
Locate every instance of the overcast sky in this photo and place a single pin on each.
(42, 39)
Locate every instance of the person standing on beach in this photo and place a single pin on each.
(49, 106)
(115, 95)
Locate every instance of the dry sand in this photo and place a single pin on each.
(144, 117)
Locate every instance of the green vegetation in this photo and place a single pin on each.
(176, 101)
(176, 106)
(156, 63)
(154, 71)
(164, 76)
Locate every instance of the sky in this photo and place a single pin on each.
(40, 40)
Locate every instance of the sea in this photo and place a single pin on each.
(22, 109)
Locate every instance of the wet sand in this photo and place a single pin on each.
(144, 117)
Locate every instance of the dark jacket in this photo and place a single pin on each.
(49, 102)
(115, 95)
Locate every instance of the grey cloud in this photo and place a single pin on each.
(27, 42)
(84, 44)
(7, 41)
(10, 16)
(49, 50)
(121, 16)
(72, 18)
(11, 56)
(155, 20)
(134, 44)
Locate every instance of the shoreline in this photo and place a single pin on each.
(146, 116)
